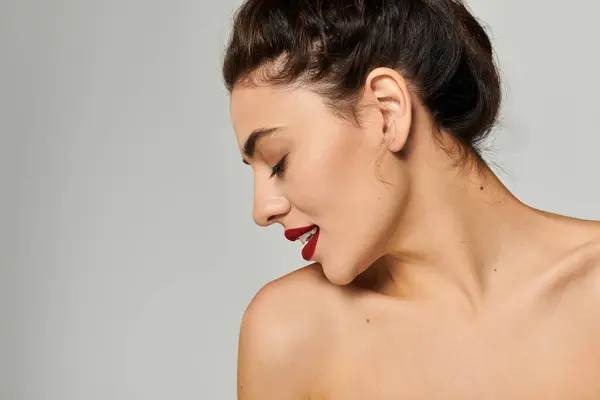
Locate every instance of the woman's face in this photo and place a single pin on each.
(317, 169)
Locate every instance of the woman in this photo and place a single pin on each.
(363, 121)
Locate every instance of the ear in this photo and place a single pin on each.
(393, 99)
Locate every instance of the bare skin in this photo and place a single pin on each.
(440, 285)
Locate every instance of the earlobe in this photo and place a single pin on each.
(397, 134)
(393, 100)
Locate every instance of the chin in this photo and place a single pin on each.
(344, 272)
(340, 280)
(337, 274)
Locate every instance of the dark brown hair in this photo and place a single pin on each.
(437, 45)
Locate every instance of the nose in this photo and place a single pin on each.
(269, 204)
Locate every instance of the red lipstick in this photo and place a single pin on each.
(294, 234)
(309, 248)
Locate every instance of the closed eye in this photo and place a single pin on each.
(279, 168)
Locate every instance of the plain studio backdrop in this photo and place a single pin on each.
(127, 249)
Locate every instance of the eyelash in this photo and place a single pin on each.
(279, 168)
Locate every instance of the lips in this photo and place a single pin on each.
(309, 248)
(294, 234)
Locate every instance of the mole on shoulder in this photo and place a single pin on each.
(368, 320)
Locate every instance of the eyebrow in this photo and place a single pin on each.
(256, 135)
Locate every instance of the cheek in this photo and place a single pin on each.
(333, 176)
(341, 198)
(341, 164)
(325, 180)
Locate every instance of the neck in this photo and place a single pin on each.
(462, 235)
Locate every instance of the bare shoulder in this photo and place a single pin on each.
(578, 270)
(587, 255)
(591, 257)
(284, 336)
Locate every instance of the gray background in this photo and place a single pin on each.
(127, 247)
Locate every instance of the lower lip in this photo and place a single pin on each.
(309, 248)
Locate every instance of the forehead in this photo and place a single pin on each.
(266, 106)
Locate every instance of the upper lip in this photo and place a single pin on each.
(294, 233)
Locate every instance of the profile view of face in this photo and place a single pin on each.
(318, 169)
